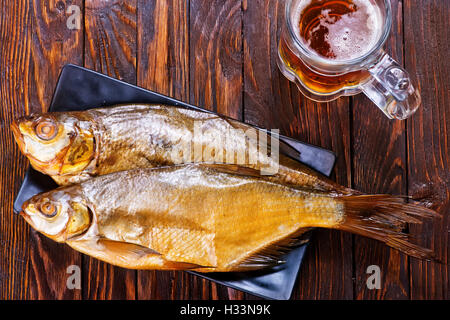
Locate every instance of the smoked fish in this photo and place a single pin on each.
(208, 217)
(72, 147)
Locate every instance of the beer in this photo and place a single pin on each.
(337, 30)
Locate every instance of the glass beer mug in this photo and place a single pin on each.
(333, 48)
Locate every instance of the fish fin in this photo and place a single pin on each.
(284, 147)
(70, 179)
(289, 166)
(272, 255)
(232, 169)
(289, 151)
(129, 255)
(236, 124)
(125, 248)
(384, 217)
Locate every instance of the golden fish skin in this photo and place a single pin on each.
(141, 136)
(204, 218)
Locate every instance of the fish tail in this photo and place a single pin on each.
(384, 218)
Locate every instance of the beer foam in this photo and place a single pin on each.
(299, 9)
(355, 33)
(297, 14)
(350, 36)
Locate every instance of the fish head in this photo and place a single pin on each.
(56, 143)
(59, 214)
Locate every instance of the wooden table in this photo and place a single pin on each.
(221, 55)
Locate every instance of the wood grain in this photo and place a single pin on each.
(426, 57)
(110, 38)
(379, 166)
(326, 272)
(216, 56)
(163, 47)
(271, 101)
(15, 49)
(53, 46)
(110, 48)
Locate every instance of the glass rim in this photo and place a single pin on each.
(355, 61)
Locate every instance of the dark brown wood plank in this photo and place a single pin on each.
(163, 52)
(271, 101)
(216, 56)
(379, 166)
(110, 48)
(163, 66)
(15, 51)
(110, 38)
(426, 56)
(215, 73)
(327, 270)
(53, 45)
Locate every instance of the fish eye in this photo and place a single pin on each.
(48, 209)
(46, 130)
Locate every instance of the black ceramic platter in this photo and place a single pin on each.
(80, 89)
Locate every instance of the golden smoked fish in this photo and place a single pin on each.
(207, 218)
(74, 146)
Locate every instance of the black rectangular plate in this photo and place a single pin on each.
(80, 89)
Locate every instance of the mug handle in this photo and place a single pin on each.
(391, 89)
